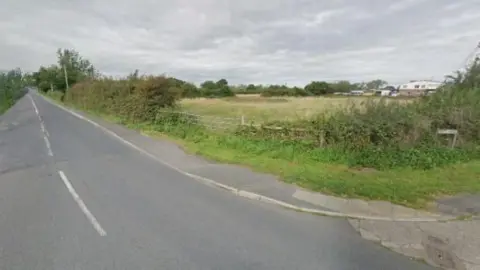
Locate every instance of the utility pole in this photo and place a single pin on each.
(65, 72)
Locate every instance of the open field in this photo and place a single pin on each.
(317, 169)
(260, 109)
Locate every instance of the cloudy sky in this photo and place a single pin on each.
(258, 41)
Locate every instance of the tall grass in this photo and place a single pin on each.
(380, 150)
(375, 134)
(385, 135)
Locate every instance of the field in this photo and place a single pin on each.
(313, 168)
(408, 176)
(261, 109)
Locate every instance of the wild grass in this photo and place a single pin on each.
(317, 169)
(264, 109)
(383, 149)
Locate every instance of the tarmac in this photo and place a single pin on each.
(447, 236)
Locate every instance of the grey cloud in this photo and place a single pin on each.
(269, 41)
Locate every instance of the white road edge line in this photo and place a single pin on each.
(47, 143)
(34, 106)
(82, 205)
(248, 194)
(42, 126)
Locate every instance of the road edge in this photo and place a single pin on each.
(240, 192)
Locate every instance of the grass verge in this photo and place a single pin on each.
(409, 187)
(313, 168)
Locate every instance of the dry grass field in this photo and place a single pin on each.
(260, 109)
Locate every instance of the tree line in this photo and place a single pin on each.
(72, 68)
(314, 88)
(12, 87)
(378, 134)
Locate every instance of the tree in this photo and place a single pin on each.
(376, 84)
(71, 68)
(469, 78)
(218, 89)
(342, 86)
(190, 90)
(251, 88)
(300, 92)
(360, 86)
(12, 87)
(76, 68)
(318, 88)
(222, 83)
(47, 78)
(208, 85)
(134, 75)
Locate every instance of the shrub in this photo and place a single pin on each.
(220, 88)
(135, 99)
(385, 135)
(12, 88)
(283, 90)
(318, 88)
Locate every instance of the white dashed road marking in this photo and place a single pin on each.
(42, 126)
(65, 180)
(82, 205)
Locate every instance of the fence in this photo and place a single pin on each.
(448, 137)
(243, 125)
(208, 121)
(225, 123)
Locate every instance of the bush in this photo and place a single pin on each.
(12, 88)
(283, 91)
(217, 89)
(56, 95)
(135, 100)
(385, 135)
(318, 88)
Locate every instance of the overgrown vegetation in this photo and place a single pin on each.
(380, 135)
(12, 88)
(134, 99)
(381, 150)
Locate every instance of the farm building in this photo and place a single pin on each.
(382, 93)
(417, 88)
(357, 92)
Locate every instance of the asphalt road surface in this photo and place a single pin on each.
(73, 197)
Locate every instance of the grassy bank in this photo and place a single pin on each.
(312, 168)
(325, 171)
(371, 148)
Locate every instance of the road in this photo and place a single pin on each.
(74, 197)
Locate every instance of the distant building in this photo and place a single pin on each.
(383, 93)
(390, 88)
(418, 88)
(357, 92)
